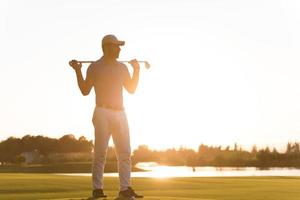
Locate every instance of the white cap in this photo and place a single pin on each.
(111, 39)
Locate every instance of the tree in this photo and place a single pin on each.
(18, 159)
(254, 150)
(289, 148)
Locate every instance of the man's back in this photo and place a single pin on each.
(108, 80)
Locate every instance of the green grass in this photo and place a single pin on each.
(50, 186)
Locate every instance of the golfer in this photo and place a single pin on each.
(108, 77)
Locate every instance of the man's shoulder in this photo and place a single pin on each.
(94, 65)
(97, 63)
(121, 65)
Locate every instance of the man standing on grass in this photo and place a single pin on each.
(108, 77)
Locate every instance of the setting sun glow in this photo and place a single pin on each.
(219, 73)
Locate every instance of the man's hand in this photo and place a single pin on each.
(134, 63)
(75, 65)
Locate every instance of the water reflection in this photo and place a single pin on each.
(155, 170)
(160, 171)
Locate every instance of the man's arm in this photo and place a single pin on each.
(86, 85)
(131, 83)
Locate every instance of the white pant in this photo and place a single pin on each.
(108, 122)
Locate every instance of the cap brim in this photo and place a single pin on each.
(121, 43)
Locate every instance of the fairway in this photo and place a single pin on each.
(50, 186)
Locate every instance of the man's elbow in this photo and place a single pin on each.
(85, 92)
(131, 90)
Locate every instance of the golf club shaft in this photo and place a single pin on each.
(147, 65)
(123, 61)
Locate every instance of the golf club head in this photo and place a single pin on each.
(147, 65)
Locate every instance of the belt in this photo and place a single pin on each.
(115, 108)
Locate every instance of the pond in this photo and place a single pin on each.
(155, 170)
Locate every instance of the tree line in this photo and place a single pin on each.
(11, 148)
(218, 156)
(61, 149)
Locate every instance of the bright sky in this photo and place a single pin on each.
(222, 71)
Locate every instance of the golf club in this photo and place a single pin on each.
(147, 65)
